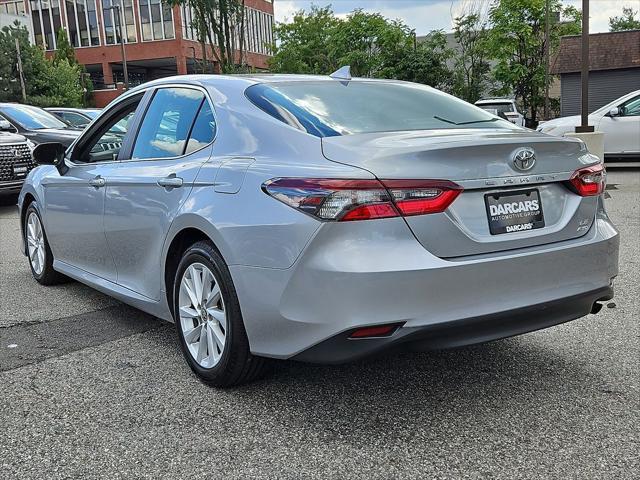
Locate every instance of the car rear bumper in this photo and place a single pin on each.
(372, 273)
(457, 333)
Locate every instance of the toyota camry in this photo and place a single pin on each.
(321, 219)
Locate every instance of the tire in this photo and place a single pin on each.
(42, 268)
(216, 319)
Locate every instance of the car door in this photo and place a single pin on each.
(74, 202)
(146, 190)
(622, 132)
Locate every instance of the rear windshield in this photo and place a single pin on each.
(327, 109)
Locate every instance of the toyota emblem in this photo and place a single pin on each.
(524, 159)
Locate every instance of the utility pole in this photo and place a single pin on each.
(21, 73)
(119, 14)
(546, 60)
(584, 110)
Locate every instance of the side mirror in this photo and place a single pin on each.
(614, 112)
(50, 153)
(5, 125)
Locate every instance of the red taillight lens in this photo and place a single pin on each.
(420, 197)
(589, 181)
(346, 200)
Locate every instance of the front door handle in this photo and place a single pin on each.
(97, 182)
(170, 182)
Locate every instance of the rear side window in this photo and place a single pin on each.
(204, 129)
(168, 123)
(331, 108)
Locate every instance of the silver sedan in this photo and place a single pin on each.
(320, 219)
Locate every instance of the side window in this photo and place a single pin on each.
(204, 129)
(632, 108)
(167, 123)
(106, 142)
(74, 119)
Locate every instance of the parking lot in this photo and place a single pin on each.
(92, 388)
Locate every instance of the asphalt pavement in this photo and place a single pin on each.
(90, 388)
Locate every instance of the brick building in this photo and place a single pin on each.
(159, 39)
(614, 68)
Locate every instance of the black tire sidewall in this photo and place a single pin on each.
(207, 256)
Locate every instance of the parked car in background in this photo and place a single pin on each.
(618, 120)
(37, 124)
(16, 160)
(77, 117)
(323, 220)
(503, 107)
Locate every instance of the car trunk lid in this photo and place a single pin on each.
(482, 162)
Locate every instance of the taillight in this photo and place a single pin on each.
(346, 200)
(589, 181)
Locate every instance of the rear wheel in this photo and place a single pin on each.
(38, 250)
(209, 322)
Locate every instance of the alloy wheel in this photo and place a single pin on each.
(35, 243)
(202, 315)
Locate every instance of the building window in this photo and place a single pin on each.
(12, 8)
(45, 15)
(82, 23)
(156, 19)
(114, 17)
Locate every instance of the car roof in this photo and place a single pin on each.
(216, 80)
(495, 100)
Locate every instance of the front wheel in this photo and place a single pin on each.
(38, 250)
(209, 322)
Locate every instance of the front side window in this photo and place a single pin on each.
(332, 108)
(104, 144)
(631, 108)
(168, 124)
(32, 118)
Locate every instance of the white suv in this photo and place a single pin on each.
(503, 107)
(619, 120)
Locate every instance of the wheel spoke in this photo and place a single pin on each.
(219, 316)
(214, 296)
(188, 288)
(210, 344)
(193, 335)
(202, 344)
(196, 278)
(218, 336)
(188, 312)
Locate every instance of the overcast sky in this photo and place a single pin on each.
(427, 15)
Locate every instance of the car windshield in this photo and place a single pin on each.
(326, 109)
(91, 113)
(497, 107)
(33, 118)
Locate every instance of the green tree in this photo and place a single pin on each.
(626, 21)
(517, 42)
(219, 26)
(305, 44)
(66, 52)
(47, 83)
(471, 67)
(319, 42)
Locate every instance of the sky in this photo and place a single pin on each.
(427, 15)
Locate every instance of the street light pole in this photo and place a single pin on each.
(584, 110)
(546, 60)
(125, 72)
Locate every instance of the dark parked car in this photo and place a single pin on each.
(36, 124)
(15, 161)
(77, 117)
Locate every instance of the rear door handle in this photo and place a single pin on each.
(170, 182)
(97, 182)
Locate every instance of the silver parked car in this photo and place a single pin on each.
(321, 219)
